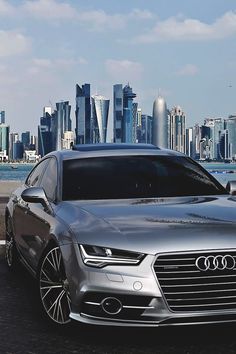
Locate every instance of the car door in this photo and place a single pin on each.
(33, 221)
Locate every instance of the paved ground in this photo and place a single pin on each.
(23, 329)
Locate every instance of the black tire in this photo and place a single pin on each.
(53, 287)
(11, 254)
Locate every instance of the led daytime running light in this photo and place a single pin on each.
(102, 261)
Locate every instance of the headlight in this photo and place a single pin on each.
(99, 257)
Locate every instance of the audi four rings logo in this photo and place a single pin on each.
(219, 262)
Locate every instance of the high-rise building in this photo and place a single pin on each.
(83, 114)
(33, 142)
(205, 149)
(216, 125)
(4, 139)
(100, 111)
(146, 132)
(18, 150)
(125, 114)
(139, 117)
(47, 110)
(177, 129)
(129, 115)
(118, 113)
(45, 134)
(196, 141)
(206, 143)
(68, 140)
(225, 148)
(14, 137)
(135, 122)
(160, 123)
(61, 123)
(189, 142)
(25, 138)
(2, 117)
(230, 125)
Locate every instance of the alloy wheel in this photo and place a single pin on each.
(54, 289)
(10, 250)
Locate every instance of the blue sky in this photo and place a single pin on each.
(184, 49)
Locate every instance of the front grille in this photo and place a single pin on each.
(186, 288)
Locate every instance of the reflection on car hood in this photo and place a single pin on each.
(154, 225)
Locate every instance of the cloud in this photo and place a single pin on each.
(42, 63)
(140, 14)
(13, 43)
(100, 20)
(6, 8)
(124, 70)
(95, 20)
(49, 9)
(188, 70)
(39, 65)
(180, 29)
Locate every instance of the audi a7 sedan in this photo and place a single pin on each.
(128, 235)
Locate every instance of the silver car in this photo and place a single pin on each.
(128, 235)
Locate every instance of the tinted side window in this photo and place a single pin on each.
(49, 180)
(35, 176)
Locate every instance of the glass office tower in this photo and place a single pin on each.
(83, 114)
(100, 111)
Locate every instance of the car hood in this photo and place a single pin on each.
(154, 225)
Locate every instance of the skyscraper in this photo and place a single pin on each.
(25, 138)
(230, 125)
(160, 123)
(2, 117)
(61, 123)
(100, 110)
(225, 148)
(18, 150)
(196, 141)
(206, 144)
(68, 140)
(129, 115)
(14, 137)
(118, 113)
(146, 129)
(83, 114)
(189, 142)
(4, 139)
(177, 130)
(45, 134)
(216, 125)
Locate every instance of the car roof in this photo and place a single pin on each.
(111, 149)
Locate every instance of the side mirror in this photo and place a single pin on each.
(37, 195)
(231, 187)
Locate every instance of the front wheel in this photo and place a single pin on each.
(53, 287)
(11, 253)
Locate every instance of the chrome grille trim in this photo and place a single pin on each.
(186, 288)
(124, 306)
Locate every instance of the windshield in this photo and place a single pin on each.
(122, 177)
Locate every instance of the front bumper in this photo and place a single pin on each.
(136, 288)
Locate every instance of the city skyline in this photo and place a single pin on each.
(214, 140)
(181, 50)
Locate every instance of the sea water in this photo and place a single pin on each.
(15, 172)
(223, 172)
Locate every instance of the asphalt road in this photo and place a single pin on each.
(23, 329)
